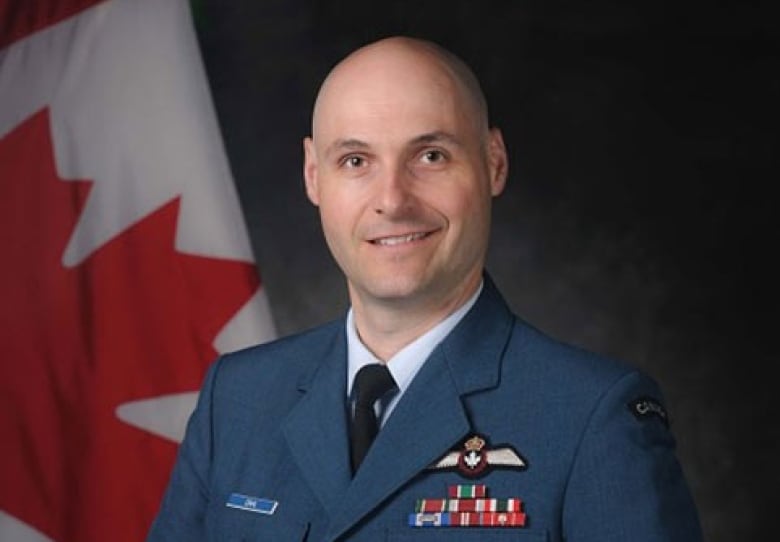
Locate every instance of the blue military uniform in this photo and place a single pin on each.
(271, 427)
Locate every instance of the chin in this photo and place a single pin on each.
(395, 288)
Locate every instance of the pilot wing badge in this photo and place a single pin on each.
(474, 458)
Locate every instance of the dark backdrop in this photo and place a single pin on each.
(636, 219)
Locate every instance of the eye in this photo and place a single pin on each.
(432, 156)
(353, 161)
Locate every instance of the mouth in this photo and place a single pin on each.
(395, 240)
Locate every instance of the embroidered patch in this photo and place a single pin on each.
(647, 407)
(475, 459)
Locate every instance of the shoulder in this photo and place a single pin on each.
(551, 366)
(530, 359)
(275, 365)
(296, 348)
(555, 355)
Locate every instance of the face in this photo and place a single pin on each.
(403, 173)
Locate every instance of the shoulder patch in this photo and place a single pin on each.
(645, 408)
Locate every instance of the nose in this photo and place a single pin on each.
(393, 192)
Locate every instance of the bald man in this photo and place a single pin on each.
(484, 428)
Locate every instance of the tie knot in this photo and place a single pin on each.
(372, 382)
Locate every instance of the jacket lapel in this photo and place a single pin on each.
(430, 419)
(316, 429)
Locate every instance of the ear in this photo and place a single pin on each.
(310, 171)
(498, 162)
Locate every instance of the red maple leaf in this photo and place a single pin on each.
(134, 320)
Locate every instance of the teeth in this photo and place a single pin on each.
(390, 241)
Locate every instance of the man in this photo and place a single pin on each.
(489, 429)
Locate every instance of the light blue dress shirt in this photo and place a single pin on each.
(405, 364)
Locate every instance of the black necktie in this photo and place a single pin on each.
(371, 382)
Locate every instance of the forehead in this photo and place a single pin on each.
(390, 93)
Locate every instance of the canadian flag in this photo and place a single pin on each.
(126, 266)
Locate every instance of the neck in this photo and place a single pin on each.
(385, 327)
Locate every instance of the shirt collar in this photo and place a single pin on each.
(405, 364)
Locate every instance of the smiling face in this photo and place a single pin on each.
(403, 169)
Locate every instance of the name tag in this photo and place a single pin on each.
(251, 504)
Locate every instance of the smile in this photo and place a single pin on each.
(399, 239)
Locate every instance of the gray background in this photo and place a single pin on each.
(636, 221)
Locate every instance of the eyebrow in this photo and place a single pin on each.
(438, 136)
(345, 145)
(352, 144)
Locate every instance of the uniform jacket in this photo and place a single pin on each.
(271, 423)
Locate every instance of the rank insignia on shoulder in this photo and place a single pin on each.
(475, 459)
(647, 407)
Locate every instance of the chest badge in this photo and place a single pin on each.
(474, 458)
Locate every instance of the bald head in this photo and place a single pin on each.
(403, 60)
(403, 168)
